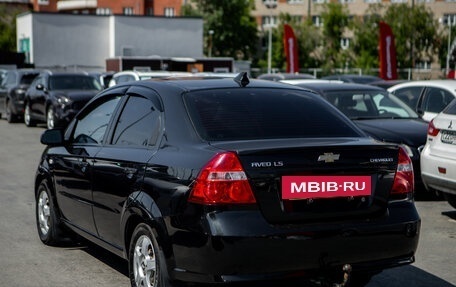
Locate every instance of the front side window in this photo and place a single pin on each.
(264, 114)
(91, 128)
(138, 123)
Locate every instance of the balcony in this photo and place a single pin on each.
(64, 5)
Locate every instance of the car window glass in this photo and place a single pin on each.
(11, 79)
(436, 100)
(138, 123)
(244, 114)
(92, 127)
(73, 82)
(409, 95)
(451, 108)
(26, 79)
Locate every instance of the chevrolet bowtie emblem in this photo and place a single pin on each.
(328, 157)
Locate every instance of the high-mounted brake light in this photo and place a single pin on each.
(404, 180)
(432, 130)
(222, 181)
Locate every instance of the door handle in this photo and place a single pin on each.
(130, 172)
(83, 164)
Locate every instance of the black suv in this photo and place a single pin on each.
(12, 92)
(55, 98)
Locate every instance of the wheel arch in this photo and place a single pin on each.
(142, 208)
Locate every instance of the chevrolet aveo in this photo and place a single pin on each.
(227, 180)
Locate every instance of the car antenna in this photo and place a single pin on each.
(242, 79)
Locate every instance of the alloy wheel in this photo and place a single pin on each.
(44, 212)
(144, 263)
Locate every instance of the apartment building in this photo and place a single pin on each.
(167, 8)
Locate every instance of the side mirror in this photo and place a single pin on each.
(52, 137)
(420, 112)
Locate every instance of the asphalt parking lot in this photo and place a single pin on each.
(25, 261)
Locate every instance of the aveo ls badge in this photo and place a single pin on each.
(305, 187)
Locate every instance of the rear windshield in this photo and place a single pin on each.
(241, 114)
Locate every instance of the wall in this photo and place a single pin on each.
(66, 40)
(166, 37)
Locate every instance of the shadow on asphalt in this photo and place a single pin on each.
(450, 214)
(407, 276)
(396, 277)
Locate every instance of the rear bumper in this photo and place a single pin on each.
(248, 248)
(433, 176)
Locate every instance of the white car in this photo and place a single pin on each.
(427, 98)
(133, 75)
(438, 158)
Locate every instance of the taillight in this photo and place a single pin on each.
(222, 181)
(432, 130)
(404, 180)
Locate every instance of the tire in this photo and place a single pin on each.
(47, 221)
(28, 120)
(51, 122)
(10, 117)
(146, 262)
(451, 199)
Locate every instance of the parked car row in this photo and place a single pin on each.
(390, 116)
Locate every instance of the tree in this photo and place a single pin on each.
(415, 31)
(8, 28)
(234, 29)
(308, 38)
(335, 22)
(365, 40)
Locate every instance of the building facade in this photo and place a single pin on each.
(167, 8)
(56, 40)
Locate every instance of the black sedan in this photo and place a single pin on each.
(380, 114)
(227, 180)
(12, 92)
(56, 97)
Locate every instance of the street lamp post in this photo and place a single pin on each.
(448, 20)
(270, 4)
(211, 33)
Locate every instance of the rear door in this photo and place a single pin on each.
(119, 166)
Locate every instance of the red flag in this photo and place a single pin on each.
(291, 49)
(388, 68)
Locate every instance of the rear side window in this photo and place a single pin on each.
(409, 95)
(138, 124)
(240, 114)
(451, 108)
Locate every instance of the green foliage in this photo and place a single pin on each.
(234, 29)
(415, 32)
(308, 38)
(8, 28)
(335, 22)
(365, 40)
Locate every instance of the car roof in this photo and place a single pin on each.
(450, 84)
(205, 83)
(331, 86)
